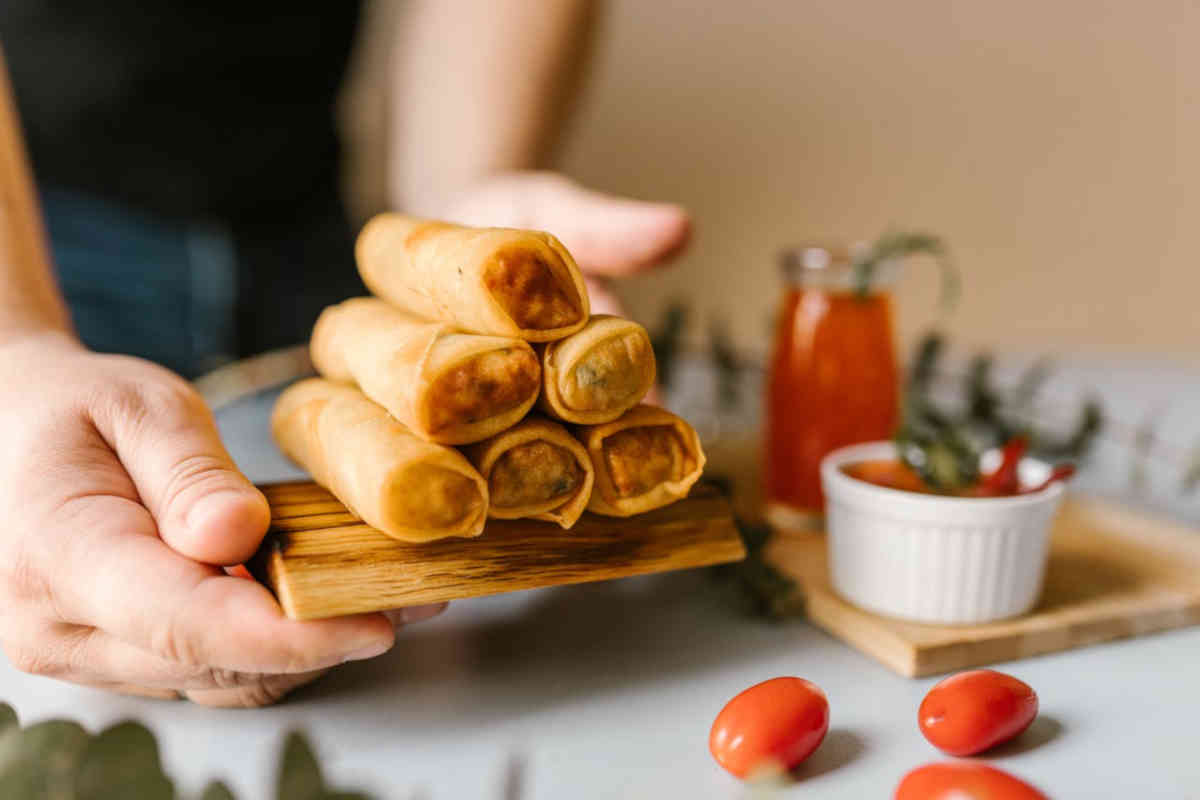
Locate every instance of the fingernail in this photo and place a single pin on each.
(218, 502)
(407, 616)
(376, 648)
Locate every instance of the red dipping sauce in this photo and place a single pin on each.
(833, 379)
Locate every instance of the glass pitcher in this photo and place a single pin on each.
(833, 377)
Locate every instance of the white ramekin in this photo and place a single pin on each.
(933, 559)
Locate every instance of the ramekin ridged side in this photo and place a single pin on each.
(934, 559)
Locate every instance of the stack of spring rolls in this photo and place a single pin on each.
(475, 384)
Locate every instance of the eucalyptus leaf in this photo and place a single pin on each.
(727, 363)
(944, 447)
(924, 364)
(759, 588)
(122, 761)
(1029, 384)
(299, 776)
(217, 791)
(900, 244)
(983, 401)
(40, 761)
(1078, 442)
(1191, 474)
(59, 760)
(1143, 443)
(667, 341)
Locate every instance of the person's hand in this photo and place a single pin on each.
(121, 507)
(608, 236)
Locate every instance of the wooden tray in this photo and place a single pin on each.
(1113, 572)
(322, 562)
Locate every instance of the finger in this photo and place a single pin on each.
(147, 692)
(92, 657)
(614, 236)
(602, 298)
(113, 573)
(414, 614)
(165, 438)
(607, 235)
(266, 691)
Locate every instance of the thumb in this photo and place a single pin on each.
(607, 235)
(165, 437)
(611, 235)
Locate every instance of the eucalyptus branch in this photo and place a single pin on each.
(945, 448)
(59, 759)
(727, 364)
(667, 340)
(759, 589)
(896, 245)
(1191, 476)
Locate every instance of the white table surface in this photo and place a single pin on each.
(608, 690)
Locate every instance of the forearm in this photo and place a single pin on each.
(479, 87)
(29, 298)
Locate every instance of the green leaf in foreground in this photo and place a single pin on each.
(299, 774)
(59, 760)
(40, 761)
(217, 791)
(122, 761)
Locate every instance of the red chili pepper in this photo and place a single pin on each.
(1060, 473)
(1004, 479)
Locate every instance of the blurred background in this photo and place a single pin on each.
(1050, 144)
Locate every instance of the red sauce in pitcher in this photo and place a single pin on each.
(833, 379)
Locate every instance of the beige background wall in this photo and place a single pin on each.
(1054, 144)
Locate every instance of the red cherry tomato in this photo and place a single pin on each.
(969, 712)
(778, 723)
(963, 781)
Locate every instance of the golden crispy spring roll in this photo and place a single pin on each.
(410, 489)
(597, 374)
(493, 281)
(647, 459)
(448, 387)
(536, 469)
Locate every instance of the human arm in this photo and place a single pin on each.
(30, 302)
(479, 94)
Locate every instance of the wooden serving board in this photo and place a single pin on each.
(1113, 572)
(320, 561)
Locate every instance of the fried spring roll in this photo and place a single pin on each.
(410, 489)
(597, 374)
(536, 469)
(447, 387)
(647, 459)
(493, 281)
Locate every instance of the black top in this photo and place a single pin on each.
(187, 108)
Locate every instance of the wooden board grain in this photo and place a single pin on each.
(321, 562)
(1113, 572)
